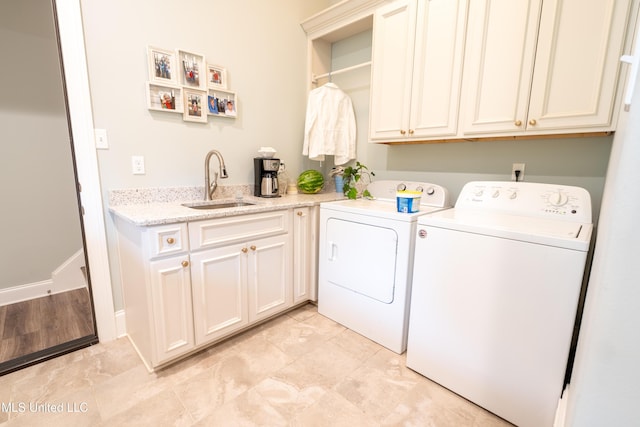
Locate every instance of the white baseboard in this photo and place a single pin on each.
(561, 411)
(121, 324)
(67, 277)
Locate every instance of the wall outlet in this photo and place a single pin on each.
(137, 165)
(102, 143)
(517, 167)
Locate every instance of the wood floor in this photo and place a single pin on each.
(30, 326)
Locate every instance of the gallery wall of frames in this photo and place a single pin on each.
(183, 82)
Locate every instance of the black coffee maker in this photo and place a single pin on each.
(266, 177)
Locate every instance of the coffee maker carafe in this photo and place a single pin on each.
(266, 177)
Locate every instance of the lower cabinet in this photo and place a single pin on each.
(188, 285)
(238, 284)
(171, 306)
(305, 253)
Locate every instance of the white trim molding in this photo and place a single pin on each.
(81, 116)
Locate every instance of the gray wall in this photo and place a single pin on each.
(265, 53)
(263, 48)
(41, 225)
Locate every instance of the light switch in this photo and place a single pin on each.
(102, 143)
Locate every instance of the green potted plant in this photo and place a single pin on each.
(355, 180)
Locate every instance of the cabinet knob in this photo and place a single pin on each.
(410, 131)
(402, 132)
(245, 250)
(253, 248)
(171, 240)
(185, 263)
(299, 213)
(533, 122)
(518, 123)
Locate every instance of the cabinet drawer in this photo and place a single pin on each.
(223, 231)
(167, 240)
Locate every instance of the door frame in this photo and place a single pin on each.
(72, 46)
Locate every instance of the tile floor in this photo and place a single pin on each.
(300, 369)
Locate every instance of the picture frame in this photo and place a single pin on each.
(216, 77)
(164, 98)
(222, 103)
(192, 67)
(194, 105)
(162, 66)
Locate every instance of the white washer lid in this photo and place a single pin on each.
(544, 231)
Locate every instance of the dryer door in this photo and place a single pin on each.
(361, 257)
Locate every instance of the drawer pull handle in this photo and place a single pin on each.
(518, 123)
(253, 248)
(532, 122)
(402, 132)
(171, 240)
(245, 250)
(410, 131)
(185, 263)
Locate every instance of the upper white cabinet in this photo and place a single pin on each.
(416, 69)
(534, 67)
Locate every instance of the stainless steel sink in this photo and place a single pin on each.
(216, 204)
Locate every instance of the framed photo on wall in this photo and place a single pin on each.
(222, 103)
(164, 98)
(162, 66)
(195, 105)
(216, 77)
(192, 67)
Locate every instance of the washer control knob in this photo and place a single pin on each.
(558, 199)
(513, 195)
(431, 191)
(495, 194)
(420, 189)
(401, 187)
(479, 193)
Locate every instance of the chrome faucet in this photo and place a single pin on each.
(210, 187)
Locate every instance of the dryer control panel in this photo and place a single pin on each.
(527, 198)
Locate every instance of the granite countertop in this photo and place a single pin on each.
(156, 206)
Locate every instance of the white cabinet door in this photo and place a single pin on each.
(575, 79)
(172, 309)
(392, 69)
(219, 278)
(269, 276)
(416, 69)
(542, 68)
(498, 64)
(303, 253)
(437, 68)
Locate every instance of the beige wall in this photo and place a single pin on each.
(264, 50)
(41, 224)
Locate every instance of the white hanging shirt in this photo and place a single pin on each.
(330, 125)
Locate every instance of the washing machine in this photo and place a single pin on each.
(496, 286)
(366, 260)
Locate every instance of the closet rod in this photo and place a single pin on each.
(340, 71)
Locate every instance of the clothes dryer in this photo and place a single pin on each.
(366, 260)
